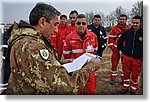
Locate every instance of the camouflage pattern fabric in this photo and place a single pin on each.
(35, 68)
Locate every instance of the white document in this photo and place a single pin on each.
(78, 62)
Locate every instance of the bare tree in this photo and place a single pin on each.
(119, 11)
(137, 9)
(90, 15)
(114, 16)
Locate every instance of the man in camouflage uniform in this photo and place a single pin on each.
(33, 60)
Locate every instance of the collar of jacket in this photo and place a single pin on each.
(23, 24)
(95, 27)
(21, 30)
(139, 30)
(118, 25)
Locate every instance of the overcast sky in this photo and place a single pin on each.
(14, 10)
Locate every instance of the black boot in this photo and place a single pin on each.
(112, 82)
(122, 92)
(132, 93)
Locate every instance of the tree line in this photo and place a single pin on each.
(112, 18)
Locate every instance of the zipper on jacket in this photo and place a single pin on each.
(133, 43)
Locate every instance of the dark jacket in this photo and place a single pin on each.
(101, 35)
(131, 43)
(5, 57)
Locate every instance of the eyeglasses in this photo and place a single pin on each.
(79, 23)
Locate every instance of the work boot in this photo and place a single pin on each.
(123, 92)
(132, 93)
(3, 86)
(112, 82)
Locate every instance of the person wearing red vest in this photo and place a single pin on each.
(53, 40)
(72, 16)
(58, 38)
(62, 28)
(112, 42)
(131, 45)
(79, 42)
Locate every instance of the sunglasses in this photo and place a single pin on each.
(79, 23)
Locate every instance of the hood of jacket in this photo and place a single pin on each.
(22, 30)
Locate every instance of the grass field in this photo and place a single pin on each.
(103, 86)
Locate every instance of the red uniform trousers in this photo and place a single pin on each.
(131, 68)
(113, 39)
(115, 60)
(90, 85)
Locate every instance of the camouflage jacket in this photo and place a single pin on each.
(35, 68)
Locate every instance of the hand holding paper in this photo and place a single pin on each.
(79, 62)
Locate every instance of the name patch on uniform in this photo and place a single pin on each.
(44, 53)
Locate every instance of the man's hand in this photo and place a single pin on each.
(97, 63)
(66, 61)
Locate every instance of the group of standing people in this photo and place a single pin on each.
(127, 42)
(80, 38)
(39, 49)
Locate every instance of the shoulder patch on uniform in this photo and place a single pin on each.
(44, 53)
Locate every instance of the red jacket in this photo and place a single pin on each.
(70, 29)
(58, 39)
(62, 31)
(74, 46)
(115, 34)
(53, 40)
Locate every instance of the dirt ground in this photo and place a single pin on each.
(103, 86)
